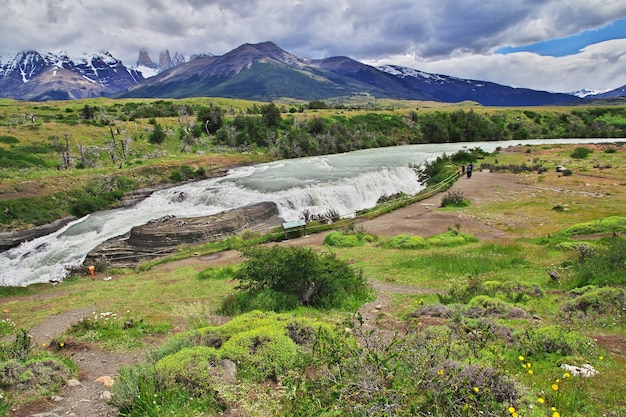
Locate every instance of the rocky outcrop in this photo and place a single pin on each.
(162, 236)
(143, 60)
(12, 239)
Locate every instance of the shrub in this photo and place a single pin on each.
(612, 224)
(265, 300)
(462, 290)
(192, 368)
(451, 238)
(318, 280)
(406, 242)
(342, 240)
(38, 375)
(489, 305)
(607, 266)
(261, 353)
(454, 198)
(606, 301)
(580, 152)
(552, 340)
(451, 388)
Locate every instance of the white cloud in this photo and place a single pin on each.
(599, 66)
(446, 36)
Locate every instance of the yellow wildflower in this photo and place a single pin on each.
(566, 375)
(511, 410)
(440, 372)
(555, 387)
(476, 389)
(541, 400)
(556, 414)
(530, 372)
(521, 358)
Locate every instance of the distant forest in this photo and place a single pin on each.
(309, 133)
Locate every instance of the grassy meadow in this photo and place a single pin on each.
(484, 332)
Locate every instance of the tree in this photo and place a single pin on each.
(317, 280)
(158, 135)
(87, 112)
(271, 115)
(211, 118)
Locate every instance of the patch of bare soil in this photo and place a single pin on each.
(98, 368)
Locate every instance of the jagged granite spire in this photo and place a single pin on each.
(144, 60)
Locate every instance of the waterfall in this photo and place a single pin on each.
(344, 183)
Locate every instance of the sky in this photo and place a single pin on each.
(553, 45)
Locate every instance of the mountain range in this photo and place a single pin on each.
(260, 71)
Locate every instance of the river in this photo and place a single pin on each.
(344, 183)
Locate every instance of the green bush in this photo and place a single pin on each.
(342, 240)
(613, 224)
(454, 198)
(318, 280)
(138, 393)
(580, 152)
(451, 238)
(403, 241)
(606, 301)
(605, 266)
(553, 340)
(490, 305)
(261, 353)
(194, 369)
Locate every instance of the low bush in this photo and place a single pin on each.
(580, 152)
(115, 332)
(613, 224)
(454, 198)
(553, 340)
(192, 368)
(406, 242)
(261, 353)
(451, 238)
(342, 240)
(33, 374)
(605, 266)
(607, 301)
(489, 305)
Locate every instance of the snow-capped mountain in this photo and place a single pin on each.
(451, 89)
(260, 71)
(587, 92)
(149, 68)
(103, 73)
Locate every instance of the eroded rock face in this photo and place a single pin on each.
(10, 240)
(162, 236)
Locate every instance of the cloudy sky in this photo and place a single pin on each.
(555, 45)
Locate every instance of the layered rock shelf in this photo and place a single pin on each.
(163, 236)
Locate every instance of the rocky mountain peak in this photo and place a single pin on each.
(143, 60)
